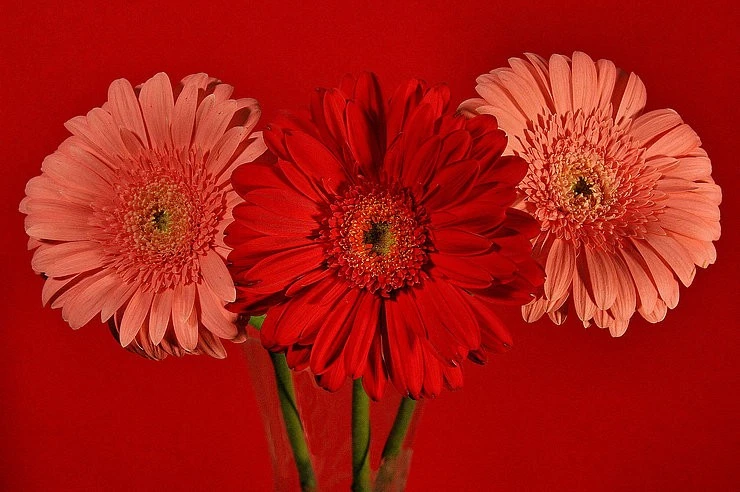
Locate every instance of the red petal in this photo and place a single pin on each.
(315, 160)
(461, 270)
(374, 378)
(363, 332)
(333, 335)
(403, 101)
(368, 96)
(451, 184)
(460, 242)
(271, 223)
(275, 272)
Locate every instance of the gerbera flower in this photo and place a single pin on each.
(127, 217)
(381, 237)
(625, 199)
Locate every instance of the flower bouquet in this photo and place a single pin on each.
(361, 249)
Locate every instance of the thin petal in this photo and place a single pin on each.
(160, 316)
(157, 105)
(135, 314)
(214, 271)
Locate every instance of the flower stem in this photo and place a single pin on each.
(400, 427)
(293, 425)
(360, 438)
(394, 443)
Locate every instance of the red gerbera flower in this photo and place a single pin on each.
(381, 237)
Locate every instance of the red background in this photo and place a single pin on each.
(566, 409)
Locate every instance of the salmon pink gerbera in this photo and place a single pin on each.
(625, 198)
(381, 237)
(127, 217)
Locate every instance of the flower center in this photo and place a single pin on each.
(159, 218)
(582, 187)
(163, 218)
(587, 180)
(377, 238)
(380, 237)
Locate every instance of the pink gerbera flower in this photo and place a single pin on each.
(127, 217)
(625, 199)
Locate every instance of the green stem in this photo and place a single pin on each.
(388, 472)
(360, 438)
(400, 427)
(293, 425)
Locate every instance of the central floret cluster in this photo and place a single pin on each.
(165, 216)
(588, 181)
(377, 238)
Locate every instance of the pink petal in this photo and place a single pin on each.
(47, 226)
(536, 78)
(686, 203)
(584, 304)
(653, 124)
(534, 310)
(157, 106)
(675, 255)
(585, 83)
(125, 109)
(210, 345)
(626, 300)
(160, 316)
(183, 114)
(135, 314)
(657, 314)
(90, 300)
(689, 225)
(607, 77)
(692, 169)
(186, 331)
(183, 302)
(632, 100)
(214, 271)
(116, 298)
(223, 152)
(601, 272)
(524, 92)
(646, 290)
(661, 274)
(211, 124)
(106, 132)
(618, 327)
(559, 268)
(67, 258)
(560, 77)
(678, 142)
(214, 316)
(703, 253)
(52, 286)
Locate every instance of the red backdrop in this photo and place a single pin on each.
(566, 409)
